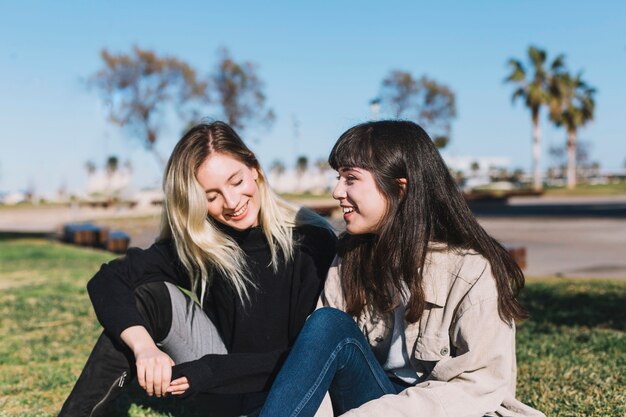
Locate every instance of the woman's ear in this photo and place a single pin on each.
(402, 183)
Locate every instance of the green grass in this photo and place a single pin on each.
(45, 322)
(618, 188)
(571, 353)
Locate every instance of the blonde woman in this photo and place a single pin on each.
(216, 303)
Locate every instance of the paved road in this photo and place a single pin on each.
(567, 247)
(567, 237)
(50, 219)
(570, 237)
(554, 207)
(593, 248)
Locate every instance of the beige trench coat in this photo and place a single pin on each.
(461, 349)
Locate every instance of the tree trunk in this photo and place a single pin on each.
(537, 183)
(571, 159)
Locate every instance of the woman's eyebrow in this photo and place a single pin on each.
(350, 170)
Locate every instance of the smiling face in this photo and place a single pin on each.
(231, 191)
(363, 205)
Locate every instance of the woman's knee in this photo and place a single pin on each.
(154, 303)
(328, 321)
(326, 315)
(154, 293)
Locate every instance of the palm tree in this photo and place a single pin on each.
(302, 165)
(90, 167)
(534, 91)
(277, 167)
(572, 106)
(112, 165)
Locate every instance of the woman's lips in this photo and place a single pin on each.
(239, 214)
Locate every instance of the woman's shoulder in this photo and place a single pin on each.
(161, 254)
(464, 272)
(139, 266)
(159, 249)
(465, 263)
(315, 235)
(318, 244)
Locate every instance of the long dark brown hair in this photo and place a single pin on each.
(429, 209)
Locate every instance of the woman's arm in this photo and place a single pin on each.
(112, 292)
(112, 289)
(233, 373)
(154, 367)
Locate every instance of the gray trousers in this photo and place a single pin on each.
(194, 335)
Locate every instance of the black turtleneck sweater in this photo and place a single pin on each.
(257, 334)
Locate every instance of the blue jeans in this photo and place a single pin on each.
(330, 354)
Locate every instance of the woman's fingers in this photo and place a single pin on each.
(166, 376)
(141, 376)
(154, 374)
(178, 386)
(181, 380)
(157, 374)
(154, 370)
(149, 380)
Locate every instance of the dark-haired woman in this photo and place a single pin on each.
(254, 264)
(423, 299)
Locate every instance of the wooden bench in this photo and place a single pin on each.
(117, 242)
(88, 234)
(518, 253)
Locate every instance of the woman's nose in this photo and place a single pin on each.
(339, 191)
(230, 200)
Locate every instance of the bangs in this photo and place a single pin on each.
(353, 149)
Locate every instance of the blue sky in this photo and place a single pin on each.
(321, 63)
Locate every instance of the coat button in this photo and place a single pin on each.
(379, 339)
(444, 351)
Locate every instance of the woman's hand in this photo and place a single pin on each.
(154, 370)
(154, 367)
(178, 386)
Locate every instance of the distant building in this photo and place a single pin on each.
(148, 198)
(14, 197)
(108, 183)
(476, 165)
(476, 171)
(313, 181)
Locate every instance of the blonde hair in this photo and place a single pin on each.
(202, 247)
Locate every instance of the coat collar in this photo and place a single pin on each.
(435, 286)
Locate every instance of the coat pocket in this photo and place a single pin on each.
(432, 348)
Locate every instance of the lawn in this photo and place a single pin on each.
(571, 353)
(618, 188)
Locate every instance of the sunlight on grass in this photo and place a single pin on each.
(571, 353)
(589, 190)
